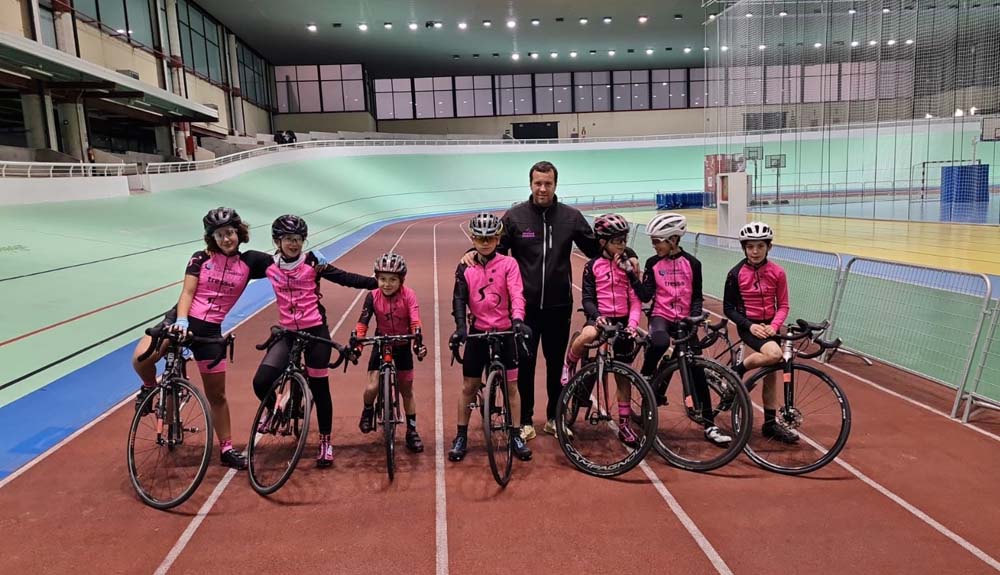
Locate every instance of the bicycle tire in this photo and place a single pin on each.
(755, 454)
(389, 420)
(297, 421)
(497, 426)
(142, 487)
(566, 409)
(732, 399)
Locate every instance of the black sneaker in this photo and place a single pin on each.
(141, 396)
(458, 448)
(772, 430)
(413, 442)
(367, 423)
(234, 459)
(521, 449)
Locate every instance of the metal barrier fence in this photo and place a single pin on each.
(63, 170)
(985, 389)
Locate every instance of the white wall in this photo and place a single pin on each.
(14, 191)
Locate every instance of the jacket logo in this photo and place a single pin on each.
(528, 234)
(483, 294)
(208, 265)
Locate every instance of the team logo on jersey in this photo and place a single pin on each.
(208, 266)
(483, 294)
(528, 234)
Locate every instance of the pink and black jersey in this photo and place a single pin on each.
(608, 292)
(296, 287)
(756, 294)
(673, 283)
(493, 294)
(398, 314)
(221, 281)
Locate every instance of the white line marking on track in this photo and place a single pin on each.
(675, 507)
(440, 501)
(192, 527)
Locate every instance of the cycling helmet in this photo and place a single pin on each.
(610, 226)
(756, 231)
(390, 263)
(288, 225)
(483, 225)
(220, 217)
(667, 226)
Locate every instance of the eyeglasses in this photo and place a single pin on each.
(617, 241)
(292, 239)
(223, 233)
(483, 239)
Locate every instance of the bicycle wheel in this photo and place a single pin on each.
(389, 400)
(279, 433)
(497, 426)
(680, 431)
(169, 446)
(818, 413)
(589, 419)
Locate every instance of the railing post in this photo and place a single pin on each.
(972, 347)
(982, 364)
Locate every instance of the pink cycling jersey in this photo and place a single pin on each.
(221, 281)
(673, 283)
(296, 288)
(493, 293)
(608, 292)
(398, 314)
(756, 294)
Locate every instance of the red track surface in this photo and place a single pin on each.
(76, 512)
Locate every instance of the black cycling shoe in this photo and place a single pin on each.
(772, 430)
(141, 396)
(521, 449)
(458, 448)
(413, 442)
(367, 423)
(234, 459)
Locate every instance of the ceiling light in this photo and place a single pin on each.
(749, 14)
(854, 44)
(687, 50)
(535, 22)
(487, 23)
(909, 42)
(534, 55)
(762, 47)
(852, 11)
(972, 111)
(885, 10)
(649, 51)
(462, 25)
(643, 19)
(705, 49)
(928, 116)
(592, 52)
(584, 20)
(817, 45)
(724, 48)
(413, 26)
(572, 54)
(553, 54)
(959, 112)
(387, 25)
(607, 19)
(311, 28)
(891, 42)
(438, 24)
(515, 56)
(872, 42)
(611, 52)
(363, 27)
(782, 14)
(511, 23)
(711, 16)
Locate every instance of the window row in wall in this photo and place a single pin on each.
(132, 19)
(324, 88)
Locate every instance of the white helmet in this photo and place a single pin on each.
(756, 231)
(667, 226)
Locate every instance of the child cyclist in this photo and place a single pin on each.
(295, 276)
(493, 293)
(214, 279)
(756, 300)
(672, 281)
(396, 312)
(609, 298)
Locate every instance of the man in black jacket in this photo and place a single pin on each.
(539, 233)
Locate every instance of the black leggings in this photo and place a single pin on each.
(659, 341)
(317, 357)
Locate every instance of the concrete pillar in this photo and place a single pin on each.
(34, 121)
(234, 81)
(74, 122)
(176, 73)
(164, 140)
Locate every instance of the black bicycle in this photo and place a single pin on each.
(710, 394)
(495, 407)
(387, 402)
(812, 405)
(589, 416)
(281, 424)
(170, 440)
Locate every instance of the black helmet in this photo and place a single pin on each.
(220, 217)
(288, 225)
(485, 225)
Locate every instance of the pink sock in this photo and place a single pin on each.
(624, 410)
(225, 445)
(571, 358)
